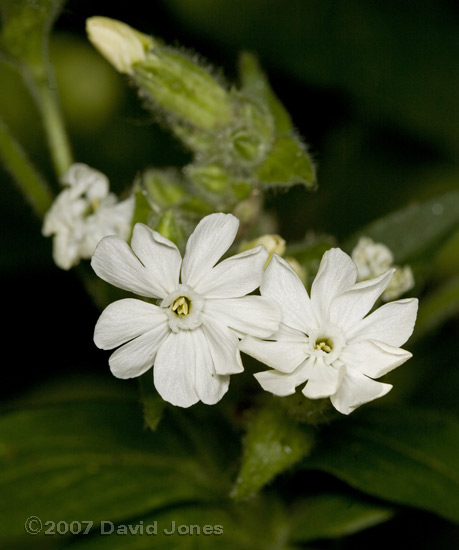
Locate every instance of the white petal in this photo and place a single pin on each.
(355, 390)
(138, 355)
(254, 315)
(235, 276)
(337, 272)
(280, 383)
(124, 320)
(174, 373)
(223, 345)
(324, 380)
(373, 358)
(282, 356)
(352, 305)
(159, 255)
(212, 237)
(391, 323)
(114, 262)
(210, 386)
(283, 285)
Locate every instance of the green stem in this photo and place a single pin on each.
(56, 135)
(30, 183)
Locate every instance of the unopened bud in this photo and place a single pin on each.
(119, 43)
(371, 258)
(272, 243)
(402, 281)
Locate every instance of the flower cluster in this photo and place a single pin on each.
(83, 213)
(203, 316)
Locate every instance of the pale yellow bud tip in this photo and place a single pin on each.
(272, 243)
(119, 43)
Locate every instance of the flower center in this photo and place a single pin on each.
(184, 308)
(324, 344)
(181, 306)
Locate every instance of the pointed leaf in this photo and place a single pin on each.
(287, 163)
(417, 230)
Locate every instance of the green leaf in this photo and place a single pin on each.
(273, 443)
(223, 525)
(287, 163)
(332, 515)
(91, 458)
(435, 308)
(404, 455)
(255, 83)
(417, 230)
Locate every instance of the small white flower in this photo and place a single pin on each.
(373, 259)
(83, 213)
(401, 282)
(328, 339)
(191, 335)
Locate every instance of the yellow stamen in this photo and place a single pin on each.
(181, 306)
(323, 345)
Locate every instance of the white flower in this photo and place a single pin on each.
(401, 282)
(191, 336)
(83, 213)
(373, 259)
(328, 339)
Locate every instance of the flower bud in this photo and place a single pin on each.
(119, 43)
(371, 258)
(402, 281)
(211, 177)
(272, 243)
(183, 88)
(163, 188)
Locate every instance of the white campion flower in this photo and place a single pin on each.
(328, 339)
(191, 335)
(83, 213)
(373, 259)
